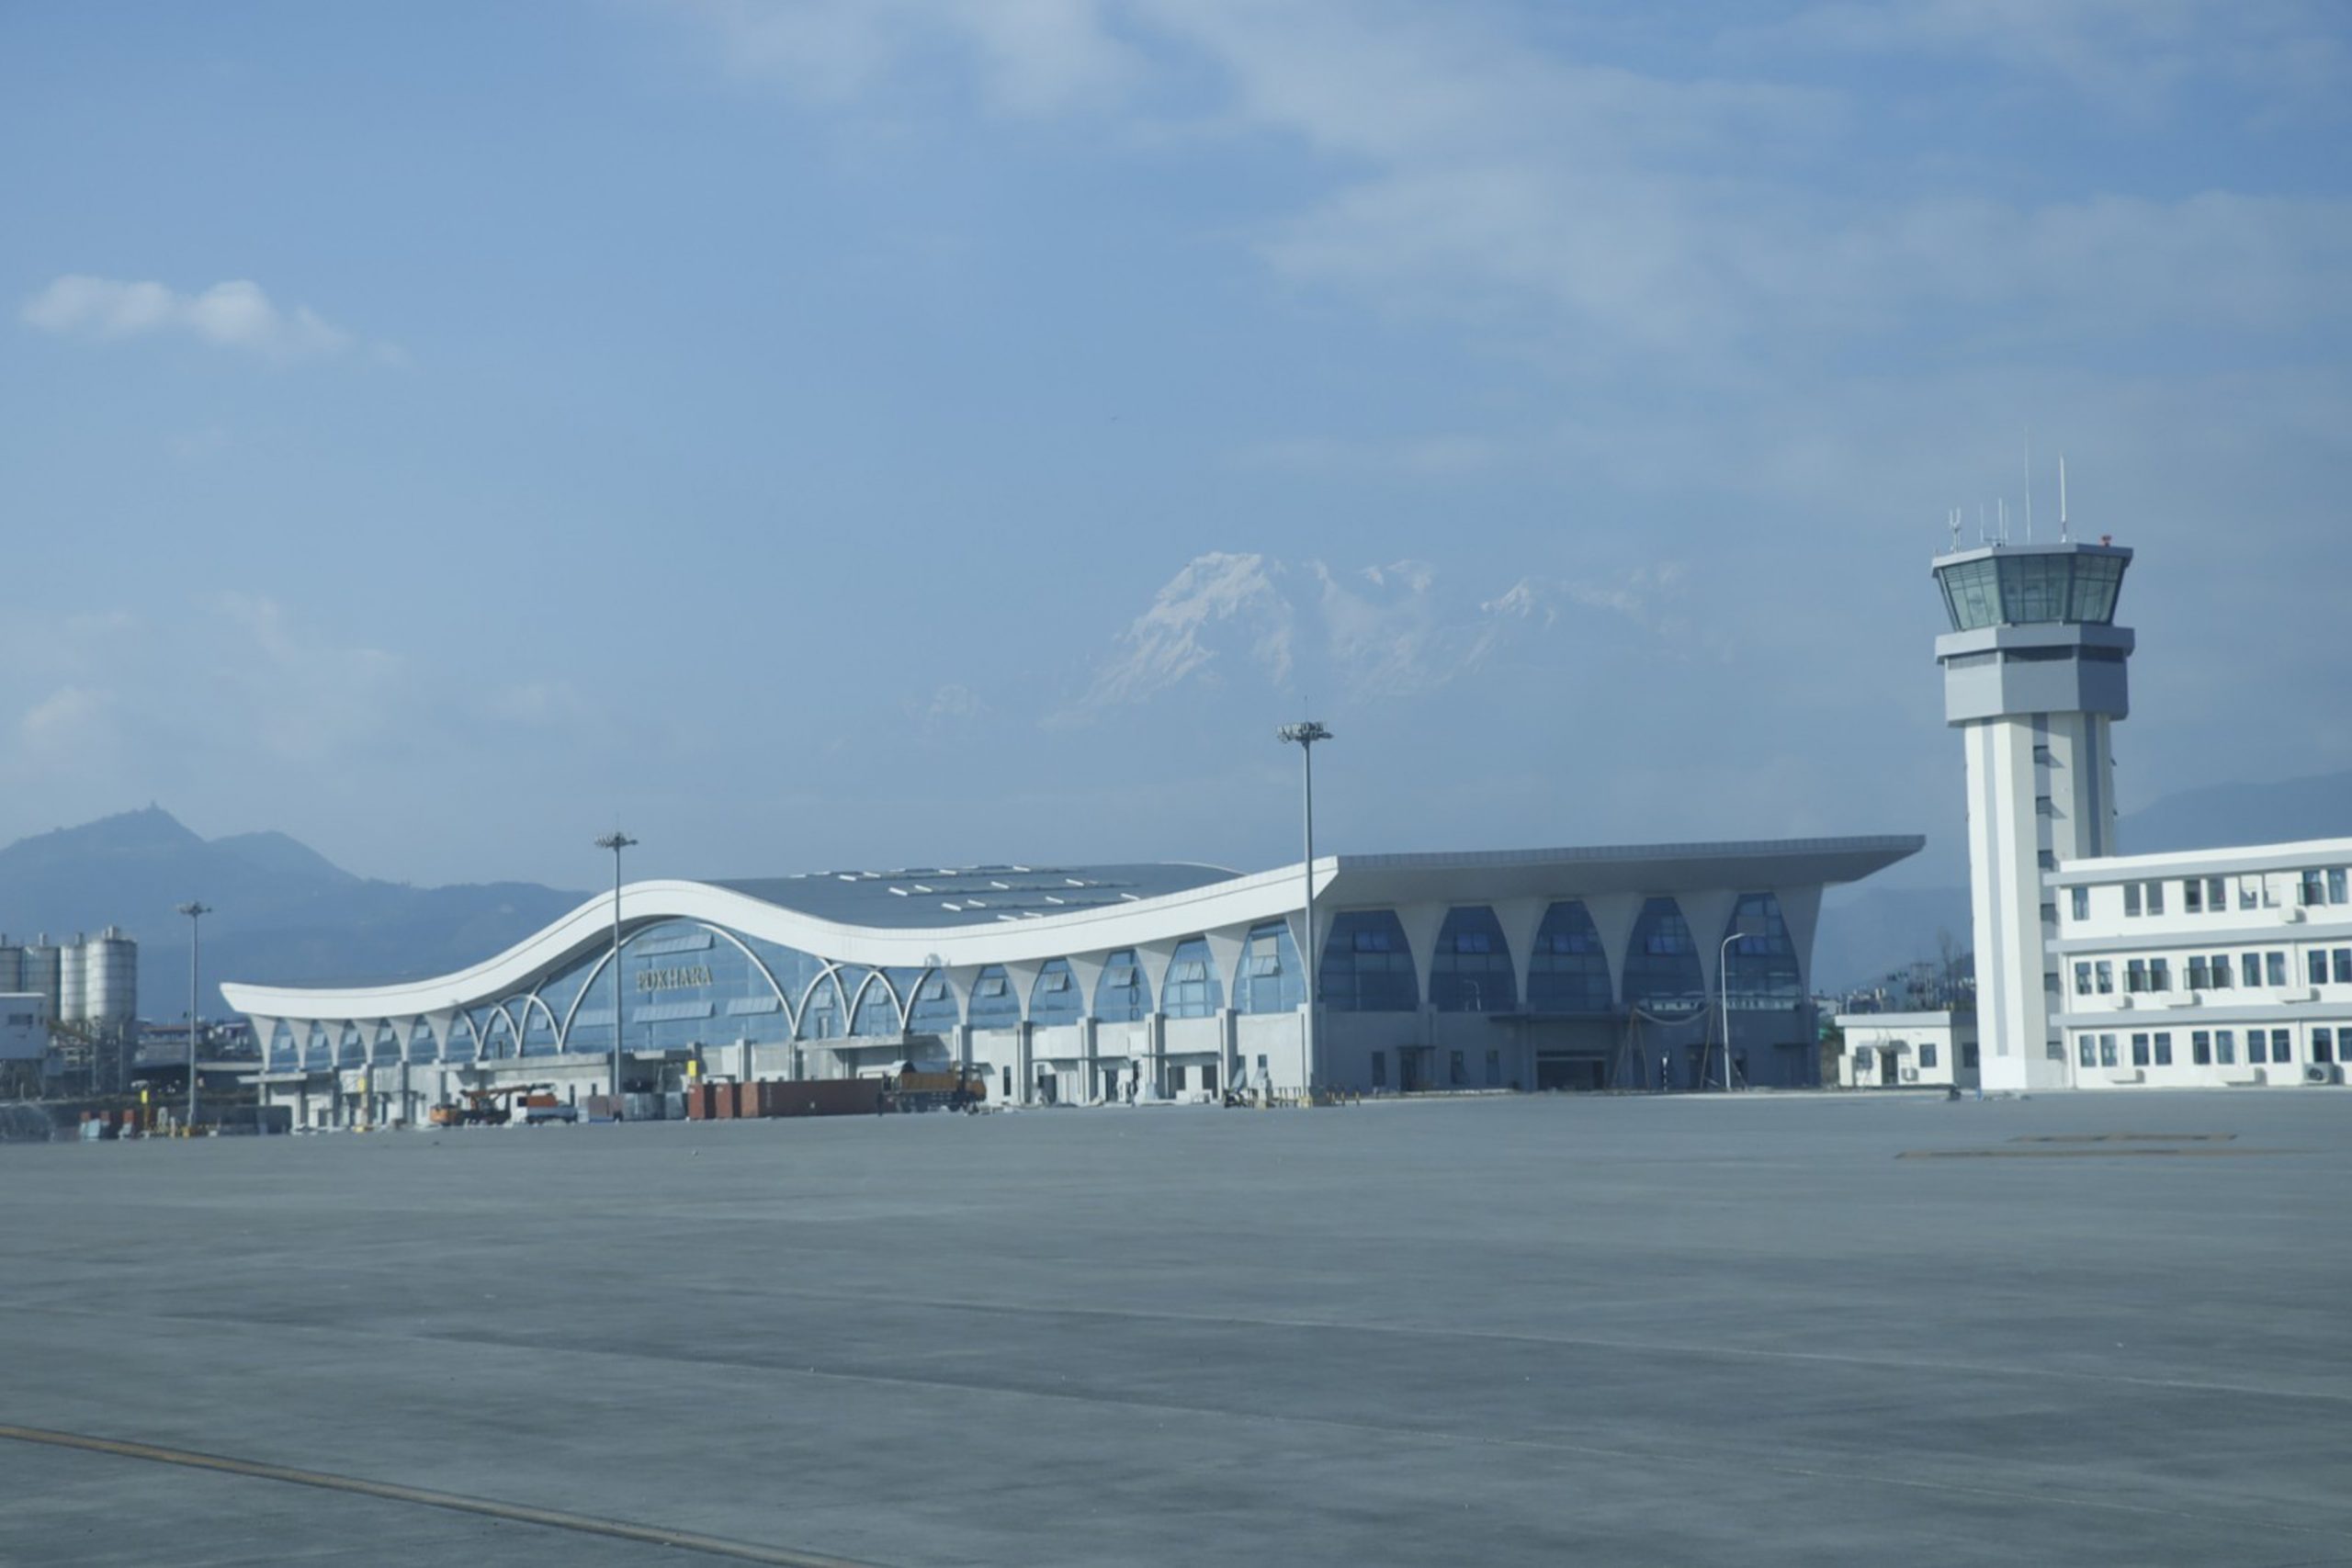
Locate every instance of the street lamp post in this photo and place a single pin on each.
(1722, 991)
(1303, 735)
(617, 841)
(195, 913)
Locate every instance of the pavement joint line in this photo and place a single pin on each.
(1537, 1442)
(2126, 1151)
(454, 1502)
(1409, 1330)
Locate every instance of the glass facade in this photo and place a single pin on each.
(1193, 988)
(934, 1009)
(1762, 973)
(2032, 589)
(1367, 964)
(1662, 971)
(1568, 972)
(1123, 995)
(1271, 980)
(1471, 970)
(1056, 997)
(994, 1004)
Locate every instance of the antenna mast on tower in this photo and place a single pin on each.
(2061, 498)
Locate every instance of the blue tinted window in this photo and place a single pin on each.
(1471, 970)
(1270, 980)
(284, 1054)
(1056, 996)
(1763, 969)
(463, 1044)
(1193, 988)
(1123, 995)
(422, 1045)
(1367, 964)
(1662, 972)
(877, 1013)
(824, 1010)
(1568, 972)
(994, 1003)
(934, 1009)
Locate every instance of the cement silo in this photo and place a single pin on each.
(110, 984)
(73, 982)
(40, 970)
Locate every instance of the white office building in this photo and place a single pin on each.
(2217, 967)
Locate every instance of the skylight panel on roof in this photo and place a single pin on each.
(952, 908)
(899, 891)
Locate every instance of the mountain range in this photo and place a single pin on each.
(284, 913)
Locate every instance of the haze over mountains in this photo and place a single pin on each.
(285, 913)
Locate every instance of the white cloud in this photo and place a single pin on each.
(1031, 57)
(235, 314)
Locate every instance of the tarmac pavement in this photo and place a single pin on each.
(1769, 1329)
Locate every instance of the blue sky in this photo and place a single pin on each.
(875, 433)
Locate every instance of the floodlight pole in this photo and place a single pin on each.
(1722, 991)
(195, 913)
(1303, 735)
(617, 841)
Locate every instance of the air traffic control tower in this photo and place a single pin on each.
(2033, 679)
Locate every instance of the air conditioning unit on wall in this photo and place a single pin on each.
(1910, 1075)
(2322, 1072)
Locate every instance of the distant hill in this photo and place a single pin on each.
(2271, 812)
(1867, 931)
(284, 913)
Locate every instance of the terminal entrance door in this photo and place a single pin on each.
(1415, 1067)
(1565, 1070)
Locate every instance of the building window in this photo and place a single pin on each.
(2160, 973)
(1662, 972)
(2082, 897)
(2086, 1044)
(1763, 973)
(2344, 966)
(2155, 897)
(2247, 897)
(2323, 1046)
(1380, 1069)
(2282, 1046)
(1193, 988)
(2196, 971)
(1456, 1073)
(2250, 969)
(2220, 971)
(2164, 1048)
(1271, 978)
(2314, 888)
(2139, 1050)
(1122, 995)
(1568, 972)
(2201, 1047)
(2274, 967)
(2192, 897)
(2225, 1047)
(2315, 965)
(1968, 1055)
(2082, 978)
(1865, 1064)
(1927, 1052)
(2107, 1051)
(2106, 973)
(2255, 1049)
(2217, 893)
(1367, 966)
(2335, 885)
(2130, 897)
(2135, 977)
(1471, 971)
(1176, 1079)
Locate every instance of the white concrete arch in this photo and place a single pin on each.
(849, 1023)
(828, 975)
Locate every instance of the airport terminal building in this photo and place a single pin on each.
(1570, 968)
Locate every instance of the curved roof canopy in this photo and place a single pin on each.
(971, 915)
